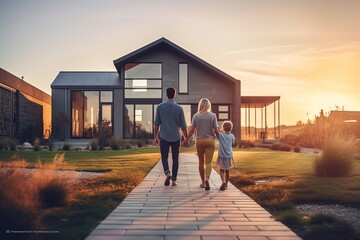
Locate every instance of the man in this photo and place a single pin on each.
(169, 119)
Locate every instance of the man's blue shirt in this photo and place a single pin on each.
(170, 117)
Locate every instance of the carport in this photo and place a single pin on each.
(255, 108)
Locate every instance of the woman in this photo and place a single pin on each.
(204, 123)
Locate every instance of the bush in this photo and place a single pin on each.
(115, 143)
(94, 144)
(66, 147)
(281, 147)
(297, 149)
(37, 146)
(53, 194)
(337, 155)
(246, 144)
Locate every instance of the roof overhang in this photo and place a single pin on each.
(258, 101)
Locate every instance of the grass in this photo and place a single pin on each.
(87, 202)
(303, 187)
(90, 201)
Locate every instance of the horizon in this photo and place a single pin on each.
(305, 52)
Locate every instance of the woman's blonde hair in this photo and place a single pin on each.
(204, 105)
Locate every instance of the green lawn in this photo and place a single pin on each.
(306, 187)
(301, 186)
(91, 201)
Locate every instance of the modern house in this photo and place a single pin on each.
(25, 111)
(124, 102)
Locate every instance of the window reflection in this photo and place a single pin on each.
(144, 122)
(129, 121)
(183, 78)
(85, 112)
(143, 70)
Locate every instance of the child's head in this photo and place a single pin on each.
(227, 126)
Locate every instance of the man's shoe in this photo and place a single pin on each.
(173, 183)
(207, 186)
(167, 180)
(223, 187)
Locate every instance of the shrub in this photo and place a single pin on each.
(66, 147)
(53, 194)
(12, 144)
(94, 144)
(246, 144)
(336, 158)
(37, 146)
(281, 147)
(140, 143)
(297, 149)
(115, 143)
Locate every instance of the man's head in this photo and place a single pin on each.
(170, 92)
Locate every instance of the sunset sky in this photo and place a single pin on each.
(307, 52)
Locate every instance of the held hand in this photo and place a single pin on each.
(156, 141)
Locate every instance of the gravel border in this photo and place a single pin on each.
(346, 214)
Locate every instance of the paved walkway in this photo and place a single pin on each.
(153, 211)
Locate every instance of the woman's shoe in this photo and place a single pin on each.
(207, 186)
(202, 185)
(223, 187)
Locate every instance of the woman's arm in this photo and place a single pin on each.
(192, 130)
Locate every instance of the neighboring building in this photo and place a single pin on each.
(346, 121)
(25, 111)
(124, 102)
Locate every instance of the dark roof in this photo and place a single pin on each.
(163, 42)
(14, 83)
(345, 115)
(257, 101)
(86, 79)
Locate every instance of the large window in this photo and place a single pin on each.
(138, 122)
(183, 78)
(91, 111)
(143, 80)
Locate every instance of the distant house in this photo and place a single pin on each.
(124, 101)
(25, 111)
(346, 121)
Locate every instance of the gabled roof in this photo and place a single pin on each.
(163, 42)
(86, 79)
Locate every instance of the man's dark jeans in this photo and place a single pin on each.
(164, 149)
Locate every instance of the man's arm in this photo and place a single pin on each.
(156, 132)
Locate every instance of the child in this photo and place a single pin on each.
(225, 159)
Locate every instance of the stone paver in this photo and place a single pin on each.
(153, 211)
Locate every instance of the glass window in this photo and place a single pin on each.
(223, 108)
(144, 121)
(91, 113)
(106, 96)
(143, 70)
(142, 83)
(223, 116)
(106, 112)
(129, 121)
(183, 78)
(85, 113)
(142, 93)
(143, 80)
(77, 114)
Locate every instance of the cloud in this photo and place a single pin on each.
(262, 49)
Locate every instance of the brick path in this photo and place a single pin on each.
(153, 211)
